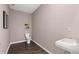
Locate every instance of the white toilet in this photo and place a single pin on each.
(28, 38)
(70, 45)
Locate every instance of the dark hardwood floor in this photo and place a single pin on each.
(24, 48)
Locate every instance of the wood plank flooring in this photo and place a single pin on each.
(24, 48)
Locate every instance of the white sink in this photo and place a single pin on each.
(70, 45)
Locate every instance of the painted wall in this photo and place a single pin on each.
(53, 22)
(4, 33)
(16, 23)
(73, 28)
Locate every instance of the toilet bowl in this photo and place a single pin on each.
(28, 38)
(70, 45)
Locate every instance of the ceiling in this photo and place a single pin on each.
(28, 8)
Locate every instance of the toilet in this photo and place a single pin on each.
(68, 44)
(28, 38)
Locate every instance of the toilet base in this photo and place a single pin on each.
(28, 41)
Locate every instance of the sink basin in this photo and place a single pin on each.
(67, 44)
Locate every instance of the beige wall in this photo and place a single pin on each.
(4, 33)
(16, 23)
(53, 22)
(73, 31)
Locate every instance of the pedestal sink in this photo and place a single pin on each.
(70, 45)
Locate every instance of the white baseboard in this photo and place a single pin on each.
(7, 49)
(17, 42)
(42, 47)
